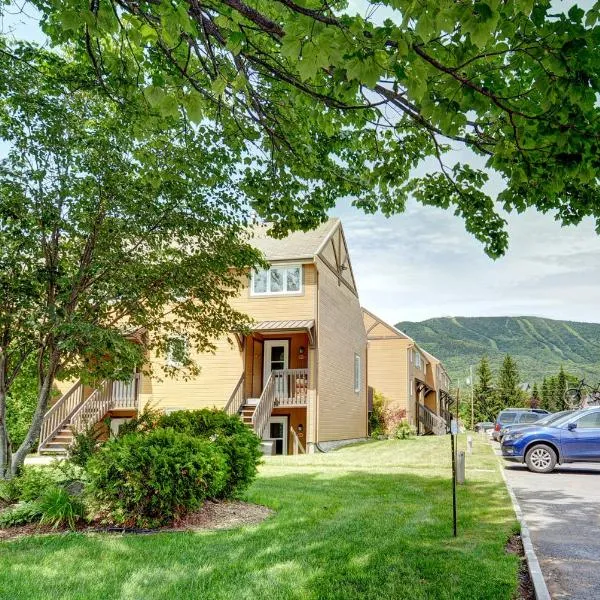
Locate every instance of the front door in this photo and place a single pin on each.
(277, 432)
(275, 359)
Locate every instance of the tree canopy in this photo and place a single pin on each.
(370, 106)
(108, 236)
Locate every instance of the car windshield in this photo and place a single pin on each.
(566, 416)
(548, 419)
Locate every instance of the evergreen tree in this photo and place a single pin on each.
(507, 391)
(483, 392)
(535, 401)
(561, 389)
(545, 394)
(552, 394)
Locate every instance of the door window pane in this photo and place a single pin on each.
(276, 430)
(277, 354)
(293, 279)
(276, 280)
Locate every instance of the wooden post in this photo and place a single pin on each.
(460, 468)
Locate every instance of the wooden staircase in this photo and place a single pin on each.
(246, 414)
(60, 442)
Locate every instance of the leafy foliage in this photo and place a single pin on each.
(21, 514)
(539, 346)
(376, 418)
(127, 230)
(387, 420)
(150, 479)
(348, 104)
(483, 393)
(404, 430)
(507, 392)
(238, 442)
(85, 444)
(59, 508)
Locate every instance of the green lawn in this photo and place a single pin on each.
(368, 521)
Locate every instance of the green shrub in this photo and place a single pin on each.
(203, 423)
(9, 491)
(85, 444)
(404, 430)
(149, 479)
(21, 514)
(58, 508)
(32, 482)
(147, 420)
(238, 442)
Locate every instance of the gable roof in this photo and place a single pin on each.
(298, 245)
(377, 321)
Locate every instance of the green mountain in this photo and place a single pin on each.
(540, 346)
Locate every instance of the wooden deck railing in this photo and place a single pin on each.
(297, 446)
(236, 400)
(265, 405)
(291, 387)
(59, 414)
(431, 421)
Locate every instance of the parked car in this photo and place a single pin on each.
(523, 416)
(573, 438)
(545, 420)
(486, 426)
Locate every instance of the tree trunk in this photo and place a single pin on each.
(5, 450)
(18, 458)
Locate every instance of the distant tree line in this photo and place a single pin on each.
(495, 392)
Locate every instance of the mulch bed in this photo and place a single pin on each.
(526, 590)
(212, 515)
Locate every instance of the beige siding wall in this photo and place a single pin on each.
(221, 370)
(387, 370)
(341, 334)
(280, 307)
(219, 373)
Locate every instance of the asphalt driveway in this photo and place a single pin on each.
(562, 511)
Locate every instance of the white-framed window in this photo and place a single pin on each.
(177, 351)
(417, 360)
(278, 279)
(357, 373)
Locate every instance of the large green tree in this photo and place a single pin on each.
(335, 103)
(106, 230)
(483, 393)
(507, 391)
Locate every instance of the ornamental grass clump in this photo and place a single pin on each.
(151, 479)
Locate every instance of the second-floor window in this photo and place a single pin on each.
(417, 360)
(284, 279)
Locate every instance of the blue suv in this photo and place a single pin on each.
(574, 438)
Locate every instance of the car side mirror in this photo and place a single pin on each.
(572, 426)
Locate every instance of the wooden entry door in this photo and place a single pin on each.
(276, 358)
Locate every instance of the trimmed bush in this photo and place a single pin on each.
(32, 482)
(85, 444)
(150, 479)
(238, 442)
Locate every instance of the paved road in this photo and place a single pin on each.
(562, 511)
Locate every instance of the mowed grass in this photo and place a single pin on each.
(368, 521)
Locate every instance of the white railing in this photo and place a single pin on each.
(236, 400)
(58, 416)
(94, 408)
(297, 447)
(125, 393)
(265, 405)
(431, 421)
(291, 386)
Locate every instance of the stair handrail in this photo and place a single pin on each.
(265, 405)
(297, 444)
(94, 408)
(432, 421)
(236, 400)
(58, 415)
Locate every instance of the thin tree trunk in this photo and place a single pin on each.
(5, 451)
(18, 458)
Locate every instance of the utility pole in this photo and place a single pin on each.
(472, 397)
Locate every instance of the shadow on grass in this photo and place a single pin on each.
(352, 535)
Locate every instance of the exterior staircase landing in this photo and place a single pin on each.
(246, 413)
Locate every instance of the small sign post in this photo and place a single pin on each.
(454, 447)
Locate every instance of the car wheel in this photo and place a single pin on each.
(540, 459)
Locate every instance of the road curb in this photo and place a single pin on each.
(535, 571)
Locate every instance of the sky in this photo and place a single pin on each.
(423, 264)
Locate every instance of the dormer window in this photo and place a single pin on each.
(280, 279)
